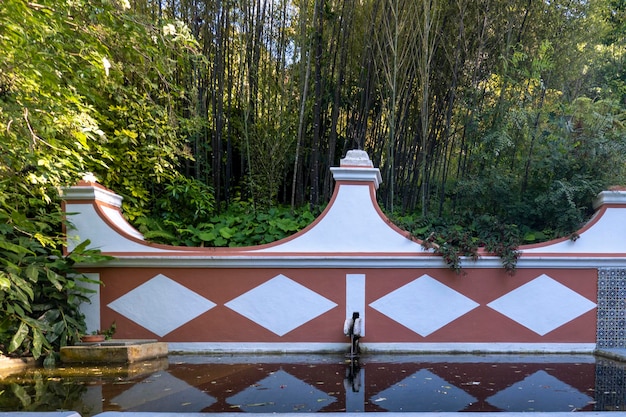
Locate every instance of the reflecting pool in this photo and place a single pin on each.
(325, 383)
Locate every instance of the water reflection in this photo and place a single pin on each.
(326, 383)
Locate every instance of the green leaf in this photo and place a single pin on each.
(19, 337)
(53, 277)
(49, 361)
(80, 248)
(5, 282)
(32, 272)
(227, 232)
(21, 394)
(38, 341)
(14, 248)
(207, 236)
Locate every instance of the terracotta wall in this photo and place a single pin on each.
(294, 295)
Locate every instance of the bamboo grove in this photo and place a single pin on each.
(464, 105)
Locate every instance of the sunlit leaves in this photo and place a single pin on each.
(84, 87)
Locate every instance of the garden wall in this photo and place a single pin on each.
(294, 294)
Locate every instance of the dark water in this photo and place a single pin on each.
(326, 383)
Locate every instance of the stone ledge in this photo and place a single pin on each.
(114, 351)
(10, 366)
(615, 354)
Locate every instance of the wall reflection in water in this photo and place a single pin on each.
(326, 383)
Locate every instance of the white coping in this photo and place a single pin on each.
(252, 347)
(610, 197)
(91, 193)
(357, 174)
(180, 260)
(408, 357)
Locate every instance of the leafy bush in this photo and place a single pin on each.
(73, 99)
(242, 225)
(40, 291)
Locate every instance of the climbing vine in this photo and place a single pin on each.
(458, 241)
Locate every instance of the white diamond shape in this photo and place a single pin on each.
(280, 305)
(164, 393)
(424, 305)
(542, 305)
(281, 392)
(423, 391)
(539, 391)
(161, 305)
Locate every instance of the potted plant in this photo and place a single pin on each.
(99, 335)
(92, 338)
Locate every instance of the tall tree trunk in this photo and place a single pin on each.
(218, 102)
(345, 24)
(317, 108)
(428, 32)
(303, 98)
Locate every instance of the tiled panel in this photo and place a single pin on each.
(610, 386)
(611, 308)
(420, 308)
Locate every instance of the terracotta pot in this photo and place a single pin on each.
(90, 338)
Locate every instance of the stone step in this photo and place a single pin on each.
(114, 351)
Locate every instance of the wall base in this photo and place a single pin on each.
(200, 347)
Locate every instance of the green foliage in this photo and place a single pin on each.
(85, 86)
(108, 333)
(38, 391)
(462, 238)
(185, 200)
(240, 226)
(40, 291)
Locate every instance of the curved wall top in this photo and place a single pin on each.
(352, 231)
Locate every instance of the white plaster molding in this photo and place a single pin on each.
(91, 193)
(208, 260)
(357, 174)
(610, 197)
(86, 223)
(351, 225)
(240, 347)
(357, 166)
(357, 157)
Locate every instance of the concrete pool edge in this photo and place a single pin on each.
(615, 354)
(331, 414)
